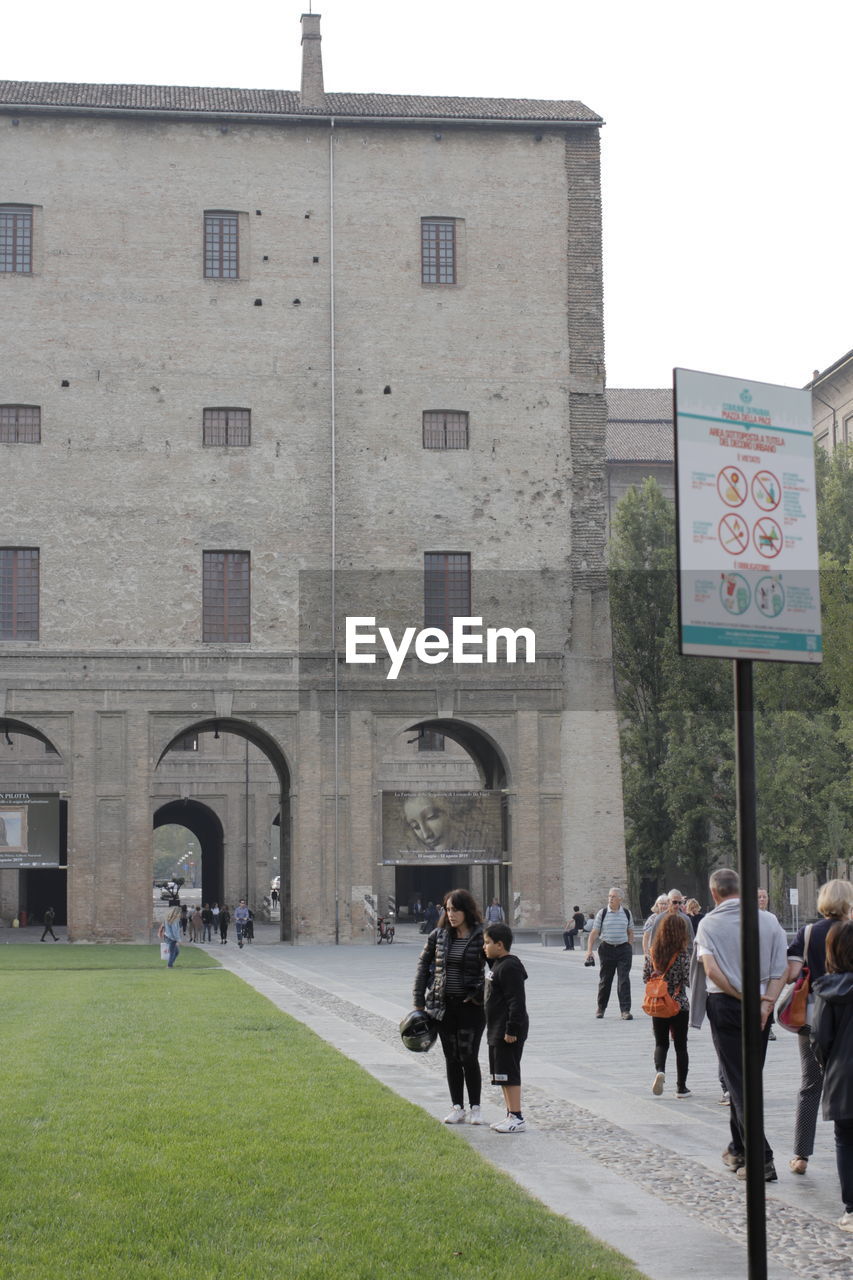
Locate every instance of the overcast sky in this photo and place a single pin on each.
(726, 152)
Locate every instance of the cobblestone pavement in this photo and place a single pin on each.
(643, 1173)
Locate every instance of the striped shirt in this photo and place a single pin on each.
(613, 926)
(455, 980)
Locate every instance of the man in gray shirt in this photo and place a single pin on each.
(716, 983)
(615, 926)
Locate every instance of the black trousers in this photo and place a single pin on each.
(460, 1032)
(569, 938)
(724, 1015)
(615, 959)
(677, 1028)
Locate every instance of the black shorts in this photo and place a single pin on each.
(505, 1062)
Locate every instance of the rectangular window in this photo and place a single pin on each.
(429, 740)
(19, 593)
(438, 251)
(445, 429)
(225, 597)
(227, 426)
(16, 238)
(20, 424)
(221, 248)
(189, 742)
(447, 588)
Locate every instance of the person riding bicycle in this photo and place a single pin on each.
(241, 921)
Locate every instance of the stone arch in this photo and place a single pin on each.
(493, 771)
(206, 826)
(265, 743)
(490, 760)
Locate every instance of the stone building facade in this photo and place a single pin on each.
(272, 360)
(640, 441)
(832, 403)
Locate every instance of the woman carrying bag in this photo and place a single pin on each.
(834, 902)
(669, 957)
(449, 986)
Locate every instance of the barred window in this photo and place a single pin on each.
(438, 251)
(187, 742)
(225, 597)
(221, 246)
(19, 593)
(20, 424)
(445, 429)
(16, 238)
(227, 426)
(447, 588)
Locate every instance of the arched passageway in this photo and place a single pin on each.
(235, 860)
(207, 829)
(448, 825)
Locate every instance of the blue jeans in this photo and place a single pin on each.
(173, 952)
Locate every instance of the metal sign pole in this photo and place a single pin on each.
(753, 1091)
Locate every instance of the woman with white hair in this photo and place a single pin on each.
(834, 902)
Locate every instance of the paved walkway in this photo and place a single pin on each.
(642, 1173)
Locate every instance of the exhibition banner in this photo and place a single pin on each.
(436, 827)
(29, 829)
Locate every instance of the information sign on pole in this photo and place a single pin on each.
(747, 527)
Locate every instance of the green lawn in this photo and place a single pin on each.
(174, 1123)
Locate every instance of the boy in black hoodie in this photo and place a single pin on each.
(506, 1021)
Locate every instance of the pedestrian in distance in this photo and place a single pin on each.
(196, 924)
(658, 908)
(507, 1022)
(615, 926)
(495, 913)
(224, 921)
(49, 918)
(669, 956)
(833, 1043)
(834, 902)
(170, 932)
(573, 928)
(449, 986)
(241, 920)
(206, 923)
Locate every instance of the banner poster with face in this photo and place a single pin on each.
(29, 829)
(441, 826)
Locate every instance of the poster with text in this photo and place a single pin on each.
(747, 525)
(29, 829)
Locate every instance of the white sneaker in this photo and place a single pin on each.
(456, 1116)
(475, 1116)
(657, 1086)
(845, 1222)
(512, 1124)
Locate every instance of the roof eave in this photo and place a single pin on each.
(306, 117)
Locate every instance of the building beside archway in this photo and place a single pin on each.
(273, 361)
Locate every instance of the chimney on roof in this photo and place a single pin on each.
(312, 93)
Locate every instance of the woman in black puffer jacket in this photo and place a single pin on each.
(449, 986)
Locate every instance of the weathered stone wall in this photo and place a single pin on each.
(121, 497)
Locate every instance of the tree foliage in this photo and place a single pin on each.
(677, 713)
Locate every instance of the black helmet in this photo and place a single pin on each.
(418, 1032)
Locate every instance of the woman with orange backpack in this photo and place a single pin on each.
(666, 972)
